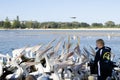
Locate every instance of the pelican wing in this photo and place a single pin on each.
(69, 55)
(50, 43)
(31, 63)
(86, 51)
(36, 48)
(93, 51)
(77, 67)
(58, 45)
(77, 50)
(41, 53)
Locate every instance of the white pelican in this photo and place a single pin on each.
(18, 52)
(1, 69)
(109, 36)
(18, 73)
(30, 51)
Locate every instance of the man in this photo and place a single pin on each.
(102, 60)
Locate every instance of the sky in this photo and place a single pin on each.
(89, 11)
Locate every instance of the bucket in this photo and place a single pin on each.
(92, 77)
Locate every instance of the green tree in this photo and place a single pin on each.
(64, 25)
(23, 26)
(52, 25)
(83, 24)
(97, 25)
(1, 24)
(110, 24)
(29, 24)
(76, 25)
(16, 23)
(35, 24)
(7, 23)
(117, 25)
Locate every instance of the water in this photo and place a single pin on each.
(13, 39)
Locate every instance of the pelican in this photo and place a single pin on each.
(109, 36)
(74, 37)
(30, 51)
(1, 69)
(55, 76)
(17, 74)
(93, 51)
(18, 52)
(39, 54)
(41, 69)
(49, 61)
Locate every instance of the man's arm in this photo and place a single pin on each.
(97, 58)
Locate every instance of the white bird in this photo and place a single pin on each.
(18, 73)
(109, 36)
(30, 51)
(40, 54)
(73, 37)
(1, 69)
(93, 51)
(18, 52)
(49, 61)
(55, 76)
(41, 69)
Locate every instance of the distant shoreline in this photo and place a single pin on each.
(69, 29)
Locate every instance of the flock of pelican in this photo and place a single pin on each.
(60, 59)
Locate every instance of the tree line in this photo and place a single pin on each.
(15, 24)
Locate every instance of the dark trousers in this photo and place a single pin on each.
(102, 77)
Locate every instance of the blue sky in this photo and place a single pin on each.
(61, 10)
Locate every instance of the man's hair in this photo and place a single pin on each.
(101, 41)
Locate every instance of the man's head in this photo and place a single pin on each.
(100, 43)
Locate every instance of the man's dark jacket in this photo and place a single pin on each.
(103, 57)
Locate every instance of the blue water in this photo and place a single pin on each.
(13, 39)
